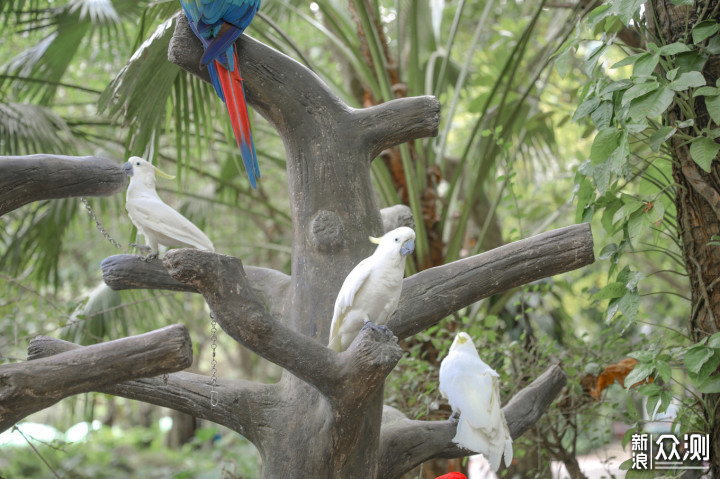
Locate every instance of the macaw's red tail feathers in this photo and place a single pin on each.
(452, 475)
(234, 94)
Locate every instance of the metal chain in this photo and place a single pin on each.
(214, 399)
(99, 224)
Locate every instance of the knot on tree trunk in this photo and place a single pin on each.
(326, 231)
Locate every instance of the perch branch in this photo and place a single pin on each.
(36, 384)
(223, 283)
(368, 360)
(398, 121)
(432, 294)
(25, 179)
(127, 271)
(396, 216)
(405, 443)
(240, 403)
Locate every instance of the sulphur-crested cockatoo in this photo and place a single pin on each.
(371, 291)
(472, 388)
(159, 223)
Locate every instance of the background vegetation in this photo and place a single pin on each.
(513, 158)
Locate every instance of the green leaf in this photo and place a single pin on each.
(607, 251)
(691, 61)
(696, 357)
(639, 373)
(703, 152)
(674, 49)
(632, 280)
(629, 60)
(656, 213)
(585, 193)
(710, 386)
(713, 46)
(704, 30)
(652, 105)
(585, 108)
(662, 134)
(713, 106)
(639, 90)
(612, 309)
(602, 116)
(629, 305)
(611, 290)
(714, 341)
(606, 142)
(626, 210)
(605, 93)
(645, 66)
(663, 370)
(643, 356)
(688, 80)
(707, 91)
(626, 9)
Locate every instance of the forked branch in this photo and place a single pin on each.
(36, 384)
(405, 443)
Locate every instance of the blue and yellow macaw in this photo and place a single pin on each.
(218, 24)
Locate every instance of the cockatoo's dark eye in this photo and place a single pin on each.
(137, 163)
(397, 239)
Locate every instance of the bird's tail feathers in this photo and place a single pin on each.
(221, 44)
(493, 447)
(234, 96)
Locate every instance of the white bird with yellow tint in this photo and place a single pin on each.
(473, 390)
(371, 292)
(154, 219)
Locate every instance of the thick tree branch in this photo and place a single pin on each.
(396, 216)
(405, 443)
(241, 404)
(36, 384)
(24, 179)
(223, 283)
(127, 271)
(432, 294)
(368, 360)
(398, 121)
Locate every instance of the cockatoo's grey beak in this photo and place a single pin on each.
(127, 167)
(407, 247)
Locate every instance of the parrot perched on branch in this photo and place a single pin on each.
(370, 293)
(473, 391)
(159, 223)
(218, 24)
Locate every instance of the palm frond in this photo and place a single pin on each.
(26, 128)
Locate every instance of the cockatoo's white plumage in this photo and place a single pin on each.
(372, 289)
(159, 223)
(473, 391)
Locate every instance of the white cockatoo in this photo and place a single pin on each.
(472, 388)
(155, 220)
(371, 291)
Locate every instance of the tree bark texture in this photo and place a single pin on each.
(698, 196)
(324, 418)
(24, 179)
(39, 383)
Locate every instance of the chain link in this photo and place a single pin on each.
(99, 224)
(214, 399)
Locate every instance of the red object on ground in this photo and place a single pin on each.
(452, 475)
